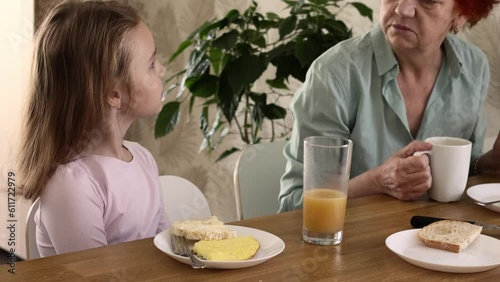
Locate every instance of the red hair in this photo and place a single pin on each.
(475, 10)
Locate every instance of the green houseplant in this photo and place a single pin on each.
(229, 55)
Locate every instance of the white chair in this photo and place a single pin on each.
(257, 179)
(30, 234)
(182, 199)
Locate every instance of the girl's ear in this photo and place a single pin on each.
(115, 99)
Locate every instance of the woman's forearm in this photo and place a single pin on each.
(362, 185)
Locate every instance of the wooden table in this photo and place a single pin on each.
(362, 256)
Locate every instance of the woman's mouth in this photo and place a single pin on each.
(403, 28)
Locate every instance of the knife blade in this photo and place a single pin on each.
(419, 221)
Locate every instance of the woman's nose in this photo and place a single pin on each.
(406, 8)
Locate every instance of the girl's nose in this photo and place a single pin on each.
(162, 70)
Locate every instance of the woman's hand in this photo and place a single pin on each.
(489, 163)
(404, 176)
(496, 148)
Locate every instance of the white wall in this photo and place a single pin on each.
(16, 33)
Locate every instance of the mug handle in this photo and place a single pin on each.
(419, 153)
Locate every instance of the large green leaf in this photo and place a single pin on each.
(227, 153)
(215, 56)
(363, 10)
(244, 49)
(278, 83)
(167, 119)
(204, 120)
(191, 103)
(281, 51)
(254, 37)
(236, 76)
(256, 19)
(258, 98)
(190, 80)
(227, 40)
(206, 29)
(244, 71)
(228, 99)
(199, 63)
(258, 108)
(196, 32)
(267, 25)
(181, 48)
(232, 15)
(205, 86)
(225, 22)
(289, 65)
(319, 2)
(273, 111)
(272, 16)
(308, 50)
(287, 26)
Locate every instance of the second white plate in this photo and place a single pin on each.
(486, 193)
(481, 255)
(270, 246)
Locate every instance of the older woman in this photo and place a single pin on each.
(403, 81)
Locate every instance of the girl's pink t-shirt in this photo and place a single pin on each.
(95, 201)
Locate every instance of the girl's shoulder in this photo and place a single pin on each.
(140, 154)
(137, 149)
(73, 179)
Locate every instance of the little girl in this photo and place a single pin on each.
(94, 72)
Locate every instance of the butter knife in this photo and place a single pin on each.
(418, 221)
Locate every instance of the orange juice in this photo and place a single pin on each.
(324, 210)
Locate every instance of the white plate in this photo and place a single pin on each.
(270, 246)
(486, 193)
(480, 255)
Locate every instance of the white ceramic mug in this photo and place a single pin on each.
(449, 161)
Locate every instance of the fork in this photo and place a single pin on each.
(180, 247)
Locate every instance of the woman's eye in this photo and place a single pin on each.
(152, 66)
(430, 2)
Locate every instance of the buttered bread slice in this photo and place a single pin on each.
(241, 248)
(207, 229)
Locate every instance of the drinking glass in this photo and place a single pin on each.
(327, 165)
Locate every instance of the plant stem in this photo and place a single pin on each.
(247, 105)
(272, 130)
(245, 139)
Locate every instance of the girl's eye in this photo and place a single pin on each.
(152, 66)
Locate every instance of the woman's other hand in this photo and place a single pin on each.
(489, 163)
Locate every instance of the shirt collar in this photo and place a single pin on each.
(385, 59)
(452, 56)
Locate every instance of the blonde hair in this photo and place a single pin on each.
(80, 55)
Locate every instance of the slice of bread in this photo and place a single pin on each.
(449, 235)
(241, 248)
(205, 229)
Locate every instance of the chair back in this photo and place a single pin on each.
(30, 235)
(182, 199)
(257, 179)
